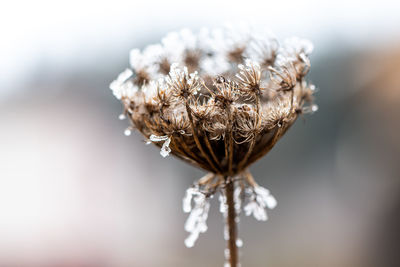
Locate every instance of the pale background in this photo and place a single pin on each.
(75, 192)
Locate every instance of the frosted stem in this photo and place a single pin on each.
(232, 227)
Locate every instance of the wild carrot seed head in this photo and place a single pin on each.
(219, 99)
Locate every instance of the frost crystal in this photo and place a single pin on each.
(294, 46)
(121, 87)
(222, 204)
(187, 200)
(175, 44)
(260, 199)
(310, 109)
(122, 117)
(150, 91)
(263, 48)
(165, 149)
(196, 222)
(248, 66)
(238, 200)
(128, 132)
(181, 82)
(223, 208)
(141, 62)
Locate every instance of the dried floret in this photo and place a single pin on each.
(182, 84)
(249, 78)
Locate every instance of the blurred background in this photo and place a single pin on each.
(76, 192)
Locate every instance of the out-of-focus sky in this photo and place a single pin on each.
(74, 191)
(58, 33)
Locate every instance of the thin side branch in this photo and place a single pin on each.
(208, 144)
(196, 138)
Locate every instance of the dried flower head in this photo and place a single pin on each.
(219, 100)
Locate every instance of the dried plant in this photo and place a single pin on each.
(219, 100)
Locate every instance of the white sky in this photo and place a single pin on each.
(62, 33)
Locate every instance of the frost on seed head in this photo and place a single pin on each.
(165, 149)
(220, 100)
(121, 86)
(202, 89)
(295, 46)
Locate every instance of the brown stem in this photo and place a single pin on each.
(185, 154)
(189, 152)
(206, 178)
(258, 104)
(196, 138)
(230, 142)
(291, 99)
(230, 153)
(232, 227)
(253, 140)
(248, 153)
(250, 179)
(207, 142)
(226, 148)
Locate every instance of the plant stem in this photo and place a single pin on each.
(232, 227)
(196, 138)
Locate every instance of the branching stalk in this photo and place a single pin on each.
(196, 138)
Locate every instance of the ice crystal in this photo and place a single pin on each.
(187, 200)
(296, 46)
(120, 87)
(310, 109)
(223, 208)
(197, 220)
(122, 117)
(259, 200)
(128, 132)
(165, 149)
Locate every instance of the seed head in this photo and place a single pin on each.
(220, 99)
